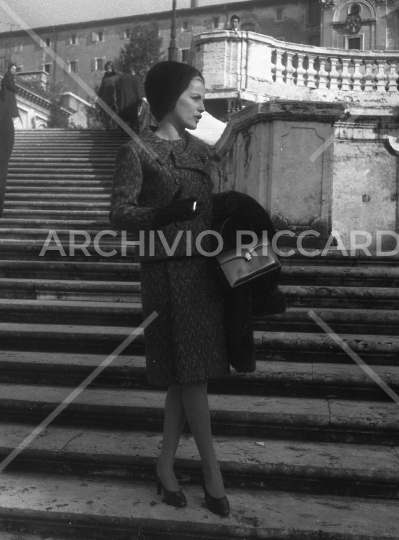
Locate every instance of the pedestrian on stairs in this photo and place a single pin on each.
(107, 93)
(6, 146)
(185, 345)
(129, 95)
(8, 92)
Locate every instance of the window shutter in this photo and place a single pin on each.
(93, 65)
(77, 66)
(122, 34)
(94, 36)
(42, 44)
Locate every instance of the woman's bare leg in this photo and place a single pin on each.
(196, 407)
(173, 426)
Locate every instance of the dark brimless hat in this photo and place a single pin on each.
(165, 83)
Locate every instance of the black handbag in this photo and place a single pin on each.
(237, 268)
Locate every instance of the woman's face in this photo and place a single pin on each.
(190, 105)
(109, 68)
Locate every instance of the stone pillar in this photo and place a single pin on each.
(281, 153)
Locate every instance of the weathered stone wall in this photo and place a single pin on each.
(313, 167)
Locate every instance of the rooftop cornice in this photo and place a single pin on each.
(144, 16)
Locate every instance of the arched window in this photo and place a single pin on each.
(248, 26)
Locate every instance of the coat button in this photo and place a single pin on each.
(178, 180)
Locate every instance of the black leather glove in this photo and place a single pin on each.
(178, 210)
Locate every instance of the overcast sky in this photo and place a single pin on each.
(37, 13)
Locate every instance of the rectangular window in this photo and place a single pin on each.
(184, 26)
(19, 69)
(279, 14)
(216, 22)
(184, 55)
(73, 40)
(18, 47)
(127, 33)
(73, 66)
(354, 43)
(48, 42)
(47, 68)
(99, 64)
(100, 35)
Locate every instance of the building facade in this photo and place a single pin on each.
(85, 47)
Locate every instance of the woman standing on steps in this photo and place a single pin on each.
(185, 345)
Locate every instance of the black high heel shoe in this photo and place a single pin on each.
(173, 498)
(217, 506)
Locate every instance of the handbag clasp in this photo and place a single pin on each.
(248, 256)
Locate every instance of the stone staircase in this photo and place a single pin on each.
(308, 444)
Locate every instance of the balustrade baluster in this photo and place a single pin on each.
(300, 70)
(357, 75)
(381, 77)
(323, 74)
(369, 76)
(345, 75)
(311, 73)
(334, 74)
(279, 66)
(392, 77)
(289, 69)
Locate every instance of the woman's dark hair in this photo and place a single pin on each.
(109, 63)
(165, 83)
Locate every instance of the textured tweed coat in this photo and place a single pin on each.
(186, 343)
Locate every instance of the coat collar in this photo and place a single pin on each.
(193, 156)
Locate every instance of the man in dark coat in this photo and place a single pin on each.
(129, 94)
(9, 91)
(6, 146)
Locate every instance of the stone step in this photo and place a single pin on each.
(78, 308)
(61, 175)
(269, 417)
(345, 320)
(73, 195)
(70, 224)
(378, 322)
(272, 377)
(33, 249)
(68, 184)
(48, 161)
(323, 468)
(58, 214)
(78, 165)
(93, 507)
(72, 270)
(340, 296)
(26, 233)
(60, 191)
(53, 205)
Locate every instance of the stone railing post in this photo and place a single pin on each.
(381, 76)
(357, 75)
(311, 73)
(345, 74)
(369, 76)
(334, 74)
(279, 67)
(323, 74)
(289, 68)
(300, 70)
(392, 77)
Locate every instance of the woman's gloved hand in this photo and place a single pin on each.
(178, 210)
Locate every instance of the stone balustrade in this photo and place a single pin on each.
(256, 64)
